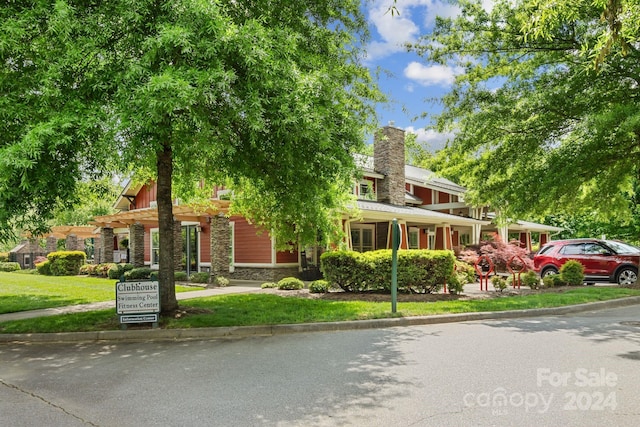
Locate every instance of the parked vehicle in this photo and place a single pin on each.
(603, 260)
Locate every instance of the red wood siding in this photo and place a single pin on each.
(205, 243)
(424, 239)
(249, 247)
(145, 196)
(443, 197)
(287, 257)
(423, 193)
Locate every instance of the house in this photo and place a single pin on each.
(430, 210)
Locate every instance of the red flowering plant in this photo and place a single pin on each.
(500, 253)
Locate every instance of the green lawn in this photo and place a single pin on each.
(268, 309)
(21, 292)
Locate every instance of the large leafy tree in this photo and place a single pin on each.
(546, 113)
(269, 94)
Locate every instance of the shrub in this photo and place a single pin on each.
(180, 276)
(4, 256)
(200, 277)
(454, 284)
(44, 268)
(319, 287)
(572, 273)
(66, 263)
(500, 253)
(269, 285)
(139, 273)
(114, 272)
(9, 266)
(499, 283)
(530, 279)
(87, 269)
(220, 281)
(290, 284)
(419, 271)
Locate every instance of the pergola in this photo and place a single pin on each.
(150, 215)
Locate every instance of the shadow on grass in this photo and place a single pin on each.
(16, 303)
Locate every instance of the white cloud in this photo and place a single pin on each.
(432, 75)
(431, 139)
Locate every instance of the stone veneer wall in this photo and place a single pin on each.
(52, 244)
(71, 242)
(136, 244)
(388, 155)
(220, 245)
(106, 246)
(264, 274)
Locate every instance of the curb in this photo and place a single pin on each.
(236, 332)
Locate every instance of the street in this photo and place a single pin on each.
(581, 369)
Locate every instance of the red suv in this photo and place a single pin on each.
(603, 260)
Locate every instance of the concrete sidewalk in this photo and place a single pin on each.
(236, 287)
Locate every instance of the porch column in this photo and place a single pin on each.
(177, 245)
(544, 238)
(476, 234)
(220, 245)
(71, 242)
(106, 245)
(443, 237)
(52, 244)
(136, 244)
(503, 233)
(346, 225)
(525, 240)
(404, 238)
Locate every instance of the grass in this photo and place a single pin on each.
(267, 309)
(21, 292)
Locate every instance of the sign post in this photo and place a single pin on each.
(396, 234)
(138, 302)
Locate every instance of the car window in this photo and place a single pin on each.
(622, 248)
(595, 249)
(545, 249)
(572, 249)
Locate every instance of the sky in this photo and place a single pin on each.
(406, 79)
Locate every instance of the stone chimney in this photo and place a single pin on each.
(388, 160)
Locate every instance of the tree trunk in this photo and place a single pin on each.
(168, 301)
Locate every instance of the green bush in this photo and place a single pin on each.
(319, 287)
(180, 276)
(454, 284)
(66, 263)
(200, 277)
(530, 279)
(139, 273)
(88, 269)
(9, 266)
(269, 285)
(220, 281)
(4, 256)
(499, 284)
(466, 273)
(572, 273)
(290, 284)
(419, 271)
(44, 268)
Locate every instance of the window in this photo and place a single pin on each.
(362, 238)
(572, 249)
(465, 239)
(365, 190)
(414, 238)
(155, 247)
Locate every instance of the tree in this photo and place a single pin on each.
(269, 94)
(545, 116)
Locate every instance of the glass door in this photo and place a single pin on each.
(190, 249)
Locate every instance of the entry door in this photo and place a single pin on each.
(190, 249)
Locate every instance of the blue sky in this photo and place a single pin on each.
(407, 80)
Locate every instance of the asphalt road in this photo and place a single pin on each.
(580, 369)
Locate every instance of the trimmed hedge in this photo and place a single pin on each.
(9, 266)
(419, 271)
(62, 263)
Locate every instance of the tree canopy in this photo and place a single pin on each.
(269, 94)
(546, 113)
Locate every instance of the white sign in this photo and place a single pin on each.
(137, 297)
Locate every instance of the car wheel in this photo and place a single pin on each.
(627, 276)
(549, 271)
